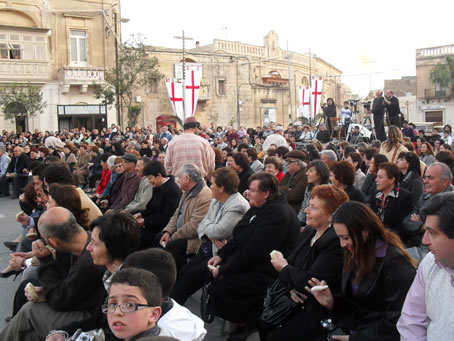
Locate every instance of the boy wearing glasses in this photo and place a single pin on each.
(134, 304)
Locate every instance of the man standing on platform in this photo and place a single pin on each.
(393, 108)
(378, 109)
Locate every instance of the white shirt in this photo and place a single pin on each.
(181, 324)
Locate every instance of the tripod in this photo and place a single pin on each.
(372, 128)
(322, 118)
(362, 130)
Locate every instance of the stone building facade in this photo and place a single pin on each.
(406, 86)
(63, 46)
(405, 90)
(241, 83)
(434, 102)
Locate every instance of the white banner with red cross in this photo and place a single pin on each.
(316, 95)
(191, 90)
(304, 94)
(175, 92)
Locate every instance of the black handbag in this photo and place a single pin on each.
(206, 303)
(278, 304)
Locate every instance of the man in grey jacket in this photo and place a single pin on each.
(438, 179)
(227, 207)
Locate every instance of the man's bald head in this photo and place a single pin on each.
(60, 223)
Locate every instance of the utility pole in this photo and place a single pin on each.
(290, 86)
(117, 90)
(184, 38)
(310, 84)
(238, 114)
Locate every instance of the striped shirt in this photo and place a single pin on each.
(189, 148)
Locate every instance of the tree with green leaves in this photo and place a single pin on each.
(21, 101)
(135, 70)
(443, 74)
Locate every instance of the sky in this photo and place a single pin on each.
(368, 41)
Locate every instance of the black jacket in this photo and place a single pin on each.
(372, 312)
(274, 226)
(22, 163)
(244, 178)
(393, 108)
(369, 189)
(354, 194)
(323, 260)
(323, 136)
(378, 106)
(71, 283)
(398, 207)
(97, 166)
(330, 110)
(162, 205)
(413, 184)
(413, 229)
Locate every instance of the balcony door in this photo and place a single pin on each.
(78, 48)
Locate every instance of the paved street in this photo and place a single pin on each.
(10, 229)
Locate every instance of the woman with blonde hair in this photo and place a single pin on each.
(393, 146)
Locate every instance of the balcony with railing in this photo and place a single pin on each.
(446, 93)
(79, 76)
(436, 51)
(24, 71)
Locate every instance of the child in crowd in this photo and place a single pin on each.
(134, 304)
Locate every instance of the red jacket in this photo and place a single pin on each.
(105, 178)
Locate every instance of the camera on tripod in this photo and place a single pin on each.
(366, 105)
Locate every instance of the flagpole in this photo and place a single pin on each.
(184, 38)
(310, 85)
(290, 86)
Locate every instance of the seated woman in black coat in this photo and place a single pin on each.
(392, 203)
(318, 254)
(242, 267)
(378, 273)
(343, 177)
(410, 167)
(159, 210)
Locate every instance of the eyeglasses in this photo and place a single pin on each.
(292, 161)
(127, 307)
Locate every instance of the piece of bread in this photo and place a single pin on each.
(19, 214)
(317, 288)
(31, 234)
(32, 292)
(274, 254)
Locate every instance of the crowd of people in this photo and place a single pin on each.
(290, 233)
